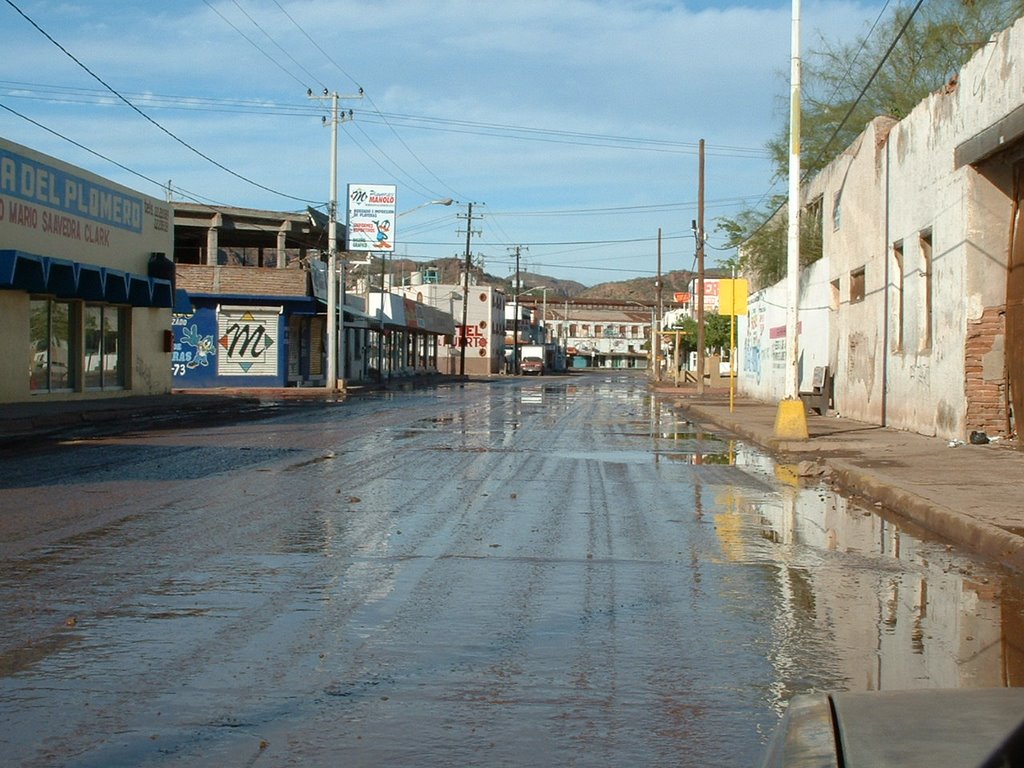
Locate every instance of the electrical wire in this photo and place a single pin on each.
(264, 108)
(189, 196)
(310, 75)
(253, 43)
(826, 146)
(149, 119)
(369, 100)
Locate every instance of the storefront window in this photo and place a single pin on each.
(104, 347)
(69, 340)
(52, 345)
(93, 348)
(114, 346)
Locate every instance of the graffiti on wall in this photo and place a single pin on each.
(754, 341)
(244, 341)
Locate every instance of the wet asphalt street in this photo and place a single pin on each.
(526, 572)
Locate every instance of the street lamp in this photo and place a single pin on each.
(544, 305)
(443, 201)
(383, 261)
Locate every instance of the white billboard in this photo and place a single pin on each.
(371, 217)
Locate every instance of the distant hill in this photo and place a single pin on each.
(643, 289)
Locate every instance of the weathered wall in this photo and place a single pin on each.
(948, 377)
(761, 336)
(853, 237)
(916, 246)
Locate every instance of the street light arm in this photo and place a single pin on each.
(444, 201)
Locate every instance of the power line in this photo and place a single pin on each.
(426, 192)
(149, 119)
(252, 42)
(316, 44)
(446, 125)
(842, 123)
(192, 196)
(371, 102)
(310, 75)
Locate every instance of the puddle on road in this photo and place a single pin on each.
(900, 609)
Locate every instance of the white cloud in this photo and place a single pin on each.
(671, 72)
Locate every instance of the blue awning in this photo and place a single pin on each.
(182, 302)
(62, 278)
(67, 279)
(90, 283)
(140, 291)
(22, 270)
(115, 286)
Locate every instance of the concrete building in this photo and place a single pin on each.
(923, 250)
(602, 333)
(223, 235)
(247, 327)
(409, 337)
(85, 283)
(256, 316)
(483, 332)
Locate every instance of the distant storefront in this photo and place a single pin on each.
(86, 285)
(246, 327)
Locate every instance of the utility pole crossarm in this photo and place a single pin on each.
(333, 321)
(464, 339)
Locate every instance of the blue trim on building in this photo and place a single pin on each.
(68, 279)
(197, 355)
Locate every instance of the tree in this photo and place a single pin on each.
(841, 92)
(716, 332)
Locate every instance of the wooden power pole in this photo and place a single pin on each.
(700, 271)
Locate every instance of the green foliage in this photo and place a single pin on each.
(716, 332)
(937, 42)
(764, 253)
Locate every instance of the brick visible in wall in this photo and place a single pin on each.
(986, 398)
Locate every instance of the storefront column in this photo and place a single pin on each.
(281, 235)
(211, 241)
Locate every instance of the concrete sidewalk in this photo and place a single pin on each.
(970, 495)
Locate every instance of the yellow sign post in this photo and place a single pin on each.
(732, 301)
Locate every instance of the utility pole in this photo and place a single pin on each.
(515, 327)
(465, 289)
(791, 417)
(656, 326)
(380, 338)
(699, 232)
(333, 345)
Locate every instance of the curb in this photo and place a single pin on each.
(959, 528)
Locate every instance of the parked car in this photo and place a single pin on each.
(532, 365)
(965, 727)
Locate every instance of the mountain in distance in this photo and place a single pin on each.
(642, 289)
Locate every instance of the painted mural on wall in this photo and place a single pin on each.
(245, 338)
(752, 352)
(194, 350)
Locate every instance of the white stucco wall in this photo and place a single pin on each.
(853, 239)
(897, 189)
(761, 336)
(967, 215)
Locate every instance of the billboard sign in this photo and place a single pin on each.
(371, 217)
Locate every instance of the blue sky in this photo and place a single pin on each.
(572, 126)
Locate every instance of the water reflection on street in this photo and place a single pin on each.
(858, 603)
(555, 571)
